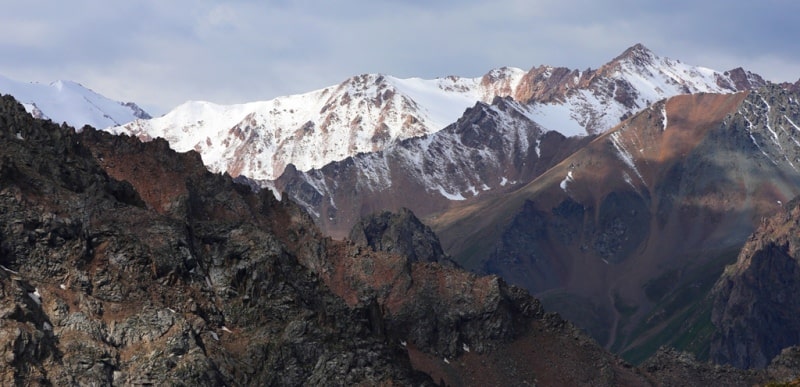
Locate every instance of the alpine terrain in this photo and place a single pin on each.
(70, 102)
(389, 231)
(125, 263)
(627, 235)
(369, 112)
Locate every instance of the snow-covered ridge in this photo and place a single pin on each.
(369, 112)
(466, 159)
(365, 113)
(597, 100)
(70, 102)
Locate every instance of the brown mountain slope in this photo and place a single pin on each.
(651, 210)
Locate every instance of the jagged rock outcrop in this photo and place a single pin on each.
(465, 329)
(401, 233)
(755, 301)
(672, 368)
(668, 367)
(793, 87)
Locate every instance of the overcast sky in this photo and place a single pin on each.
(160, 53)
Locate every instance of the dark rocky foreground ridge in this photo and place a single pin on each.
(126, 263)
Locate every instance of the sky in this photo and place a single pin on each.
(160, 54)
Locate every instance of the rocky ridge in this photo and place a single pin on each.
(370, 112)
(401, 233)
(491, 149)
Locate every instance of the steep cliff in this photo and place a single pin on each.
(755, 301)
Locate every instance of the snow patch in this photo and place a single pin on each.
(36, 296)
(627, 178)
(558, 117)
(624, 155)
(568, 179)
(449, 196)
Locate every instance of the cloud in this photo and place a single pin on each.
(160, 53)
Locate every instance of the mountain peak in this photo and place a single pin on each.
(638, 54)
(70, 102)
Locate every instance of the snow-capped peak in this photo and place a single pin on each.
(70, 102)
(596, 100)
(365, 113)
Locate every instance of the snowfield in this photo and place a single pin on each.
(70, 102)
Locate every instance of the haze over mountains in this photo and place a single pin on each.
(616, 195)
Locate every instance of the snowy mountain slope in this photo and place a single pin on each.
(368, 112)
(444, 170)
(70, 102)
(576, 102)
(362, 114)
(491, 149)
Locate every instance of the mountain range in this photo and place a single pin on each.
(617, 196)
(126, 263)
(369, 112)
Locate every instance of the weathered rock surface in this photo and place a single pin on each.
(755, 301)
(401, 233)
